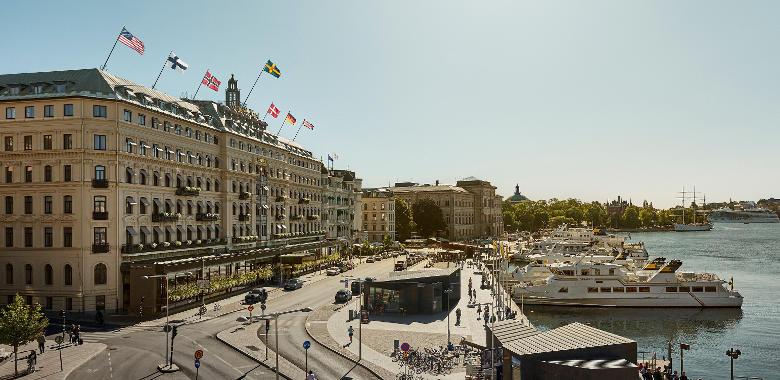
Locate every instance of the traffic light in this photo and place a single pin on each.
(142, 299)
(267, 325)
(174, 332)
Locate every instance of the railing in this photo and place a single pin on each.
(292, 235)
(281, 198)
(188, 191)
(244, 239)
(206, 217)
(304, 201)
(101, 248)
(164, 246)
(99, 215)
(165, 217)
(280, 217)
(244, 217)
(313, 217)
(100, 184)
(244, 195)
(296, 217)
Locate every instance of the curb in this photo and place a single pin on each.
(337, 352)
(65, 374)
(249, 356)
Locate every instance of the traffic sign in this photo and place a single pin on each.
(198, 354)
(197, 363)
(167, 328)
(405, 347)
(59, 339)
(262, 306)
(306, 345)
(251, 307)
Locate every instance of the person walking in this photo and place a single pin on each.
(310, 376)
(41, 342)
(77, 335)
(32, 361)
(479, 311)
(351, 332)
(70, 333)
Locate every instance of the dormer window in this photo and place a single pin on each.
(14, 90)
(60, 87)
(175, 110)
(37, 89)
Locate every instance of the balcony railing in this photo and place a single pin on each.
(244, 217)
(165, 217)
(304, 201)
(99, 215)
(280, 217)
(100, 248)
(292, 235)
(296, 217)
(245, 239)
(281, 198)
(100, 184)
(313, 217)
(149, 247)
(206, 217)
(244, 195)
(188, 191)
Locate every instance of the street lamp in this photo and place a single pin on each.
(275, 316)
(448, 291)
(733, 355)
(167, 325)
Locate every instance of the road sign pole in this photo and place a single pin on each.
(306, 346)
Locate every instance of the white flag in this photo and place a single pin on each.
(335, 156)
(175, 63)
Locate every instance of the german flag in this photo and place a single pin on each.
(290, 119)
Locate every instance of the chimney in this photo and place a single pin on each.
(437, 182)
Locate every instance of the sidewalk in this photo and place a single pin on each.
(245, 340)
(49, 362)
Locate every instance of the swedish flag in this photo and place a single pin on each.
(272, 69)
(731, 283)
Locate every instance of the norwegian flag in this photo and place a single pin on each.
(211, 81)
(273, 111)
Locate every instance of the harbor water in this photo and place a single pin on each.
(750, 253)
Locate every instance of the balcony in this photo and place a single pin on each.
(100, 248)
(280, 217)
(296, 217)
(165, 217)
(244, 217)
(206, 217)
(99, 215)
(245, 239)
(244, 195)
(100, 184)
(293, 235)
(304, 201)
(188, 191)
(313, 217)
(164, 246)
(281, 198)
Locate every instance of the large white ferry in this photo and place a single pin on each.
(749, 214)
(658, 284)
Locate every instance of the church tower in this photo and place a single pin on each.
(232, 94)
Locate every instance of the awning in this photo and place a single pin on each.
(191, 229)
(131, 201)
(158, 230)
(217, 204)
(143, 144)
(265, 207)
(200, 203)
(190, 203)
(208, 180)
(189, 178)
(170, 230)
(208, 203)
(159, 149)
(145, 230)
(284, 227)
(131, 142)
(157, 202)
(130, 92)
(180, 228)
(149, 99)
(201, 229)
(210, 228)
(131, 230)
(182, 153)
(235, 205)
(169, 176)
(131, 171)
(179, 177)
(180, 203)
(144, 173)
(190, 154)
(235, 227)
(234, 184)
(157, 174)
(248, 228)
(218, 182)
(218, 227)
(242, 229)
(265, 188)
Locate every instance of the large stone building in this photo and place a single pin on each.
(378, 214)
(471, 208)
(107, 181)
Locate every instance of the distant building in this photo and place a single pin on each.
(517, 197)
(617, 206)
(771, 204)
(378, 214)
(341, 199)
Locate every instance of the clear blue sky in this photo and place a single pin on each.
(583, 99)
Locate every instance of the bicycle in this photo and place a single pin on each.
(217, 306)
(202, 310)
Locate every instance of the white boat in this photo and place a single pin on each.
(749, 214)
(683, 227)
(658, 284)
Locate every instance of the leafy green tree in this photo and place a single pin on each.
(664, 218)
(648, 216)
(428, 217)
(631, 217)
(595, 214)
(615, 220)
(557, 221)
(404, 224)
(365, 249)
(21, 324)
(387, 242)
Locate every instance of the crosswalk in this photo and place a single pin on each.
(99, 336)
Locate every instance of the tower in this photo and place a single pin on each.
(232, 94)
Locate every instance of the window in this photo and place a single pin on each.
(710, 289)
(49, 302)
(685, 289)
(9, 205)
(101, 235)
(142, 148)
(100, 142)
(99, 111)
(563, 290)
(155, 123)
(67, 238)
(10, 113)
(68, 110)
(48, 111)
(47, 204)
(593, 290)
(156, 151)
(68, 174)
(29, 111)
(100, 172)
(68, 274)
(128, 116)
(167, 126)
(698, 289)
(47, 173)
(9, 143)
(37, 89)
(27, 142)
(100, 203)
(28, 236)
(67, 204)
(129, 145)
(48, 238)
(606, 290)
(167, 153)
(128, 207)
(67, 141)
(141, 119)
(101, 274)
(47, 142)
(60, 87)
(68, 303)
(28, 204)
(14, 90)
(671, 289)
(9, 238)
(177, 129)
(644, 289)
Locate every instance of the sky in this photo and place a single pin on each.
(568, 99)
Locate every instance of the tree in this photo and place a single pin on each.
(557, 221)
(21, 324)
(631, 217)
(387, 242)
(428, 217)
(595, 214)
(365, 249)
(403, 220)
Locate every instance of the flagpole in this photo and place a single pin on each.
(112, 50)
(299, 129)
(253, 86)
(280, 128)
(201, 84)
(161, 70)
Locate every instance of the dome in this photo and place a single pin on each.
(517, 197)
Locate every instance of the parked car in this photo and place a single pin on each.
(350, 265)
(343, 295)
(293, 284)
(370, 259)
(355, 286)
(333, 271)
(255, 295)
(400, 265)
(378, 257)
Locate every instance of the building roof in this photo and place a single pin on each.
(570, 337)
(410, 276)
(429, 188)
(512, 329)
(517, 197)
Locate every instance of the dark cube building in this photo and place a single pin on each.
(417, 292)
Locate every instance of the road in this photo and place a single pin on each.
(136, 354)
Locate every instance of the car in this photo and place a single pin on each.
(400, 265)
(293, 284)
(370, 259)
(255, 295)
(355, 285)
(333, 271)
(349, 265)
(370, 279)
(343, 295)
(378, 257)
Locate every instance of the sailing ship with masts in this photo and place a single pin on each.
(694, 225)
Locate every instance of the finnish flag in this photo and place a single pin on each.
(175, 63)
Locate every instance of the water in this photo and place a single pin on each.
(749, 253)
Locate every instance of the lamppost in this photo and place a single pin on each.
(167, 325)
(447, 292)
(275, 316)
(733, 355)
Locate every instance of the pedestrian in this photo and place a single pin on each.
(70, 334)
(479, 311)
(683, 377)
(657, 374)
(32, 361)
(311, 376)
(77, 335)
(41, 342)
(351, 332)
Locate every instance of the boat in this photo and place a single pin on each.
(657, 284)
(748, 214)
(683, 227)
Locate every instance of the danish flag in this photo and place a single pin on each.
(273, 111)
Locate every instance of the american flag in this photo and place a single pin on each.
(308, 125)
(128, 39)
(273, 111)
(211, 81)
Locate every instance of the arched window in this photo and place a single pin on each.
(28, 274)
(9, 274)
(48, 275)
(68, 274)
(101, 274)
